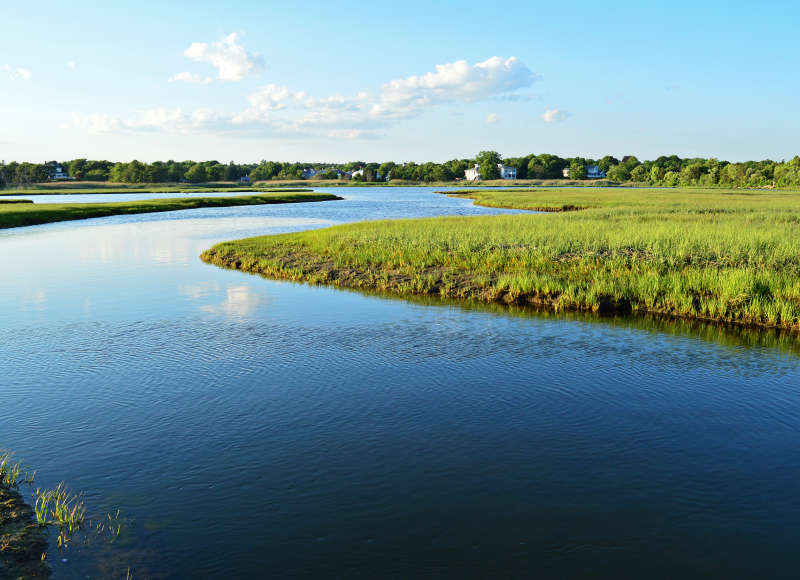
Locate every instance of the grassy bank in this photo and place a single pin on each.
(730, 256)
(16, 215)
(88, 188)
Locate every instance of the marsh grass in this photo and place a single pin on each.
(726, 255)
(61, 508)
(33, 214)
(13, 473)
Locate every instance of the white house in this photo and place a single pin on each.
(505, 172)
(358, 172)
(57, 172)
(593, 172)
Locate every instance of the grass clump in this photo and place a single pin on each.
(727, 255)
(28, 215)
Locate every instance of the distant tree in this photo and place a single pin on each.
(546, 166)
(442, 173)
(385, 169)
(617, 173)
(488, 161)
(577, 168)
(215, 172)
(607, 163)
(640, 174)
(196, 174)
(232, 172)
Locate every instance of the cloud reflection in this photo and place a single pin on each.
(240, 302)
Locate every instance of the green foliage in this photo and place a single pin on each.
(196, 174)
(488, 161)
(664, 171)
(577, 168)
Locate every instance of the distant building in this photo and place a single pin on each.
(506, 172)
(56, 171)
(358, 172)
(472, 174)
(244, 180)
(592, 172)
(309, 173)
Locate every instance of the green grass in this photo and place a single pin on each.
(89, 189)
(31, 214)
(727, 255)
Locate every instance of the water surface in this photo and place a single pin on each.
(252, 428)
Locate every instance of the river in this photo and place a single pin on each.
(249, 428)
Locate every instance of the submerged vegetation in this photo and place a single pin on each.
(723, 255)
(27, 214)
(24, 529)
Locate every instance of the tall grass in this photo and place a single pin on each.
(709, 254)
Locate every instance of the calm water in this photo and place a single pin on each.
(251, 428)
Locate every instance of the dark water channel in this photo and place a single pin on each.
(249, 428)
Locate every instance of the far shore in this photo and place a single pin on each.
(27, 214)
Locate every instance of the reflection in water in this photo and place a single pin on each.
(304, 432)
(239, 302)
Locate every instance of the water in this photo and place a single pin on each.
(250, 428)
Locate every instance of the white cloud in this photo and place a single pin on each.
(554, 115)
(492, 118)
(18, 73)
(400, 98)
(71, 65)
(158, 119)
(232, 61)
(279, 109)
(188, 77)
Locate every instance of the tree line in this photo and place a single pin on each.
(664, 171)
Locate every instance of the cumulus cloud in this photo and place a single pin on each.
(232, 61)
(554, 115)
(280, 109)
(492, 118)
(188, 77)
(398, 99)
(18, 73)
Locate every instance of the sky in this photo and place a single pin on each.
(401, 81)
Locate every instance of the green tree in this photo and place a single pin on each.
(196, 174)
(617, 173)
(577, 168)
(607, 163)
(488, 161)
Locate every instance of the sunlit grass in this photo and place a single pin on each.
(731, 255)
(17, 215)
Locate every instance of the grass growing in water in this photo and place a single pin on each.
(727, 255)
(31, 214)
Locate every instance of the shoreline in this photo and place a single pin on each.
(672, 254)
(395, 284)
(26, 214)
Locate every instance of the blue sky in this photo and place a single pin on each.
(322, 81)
